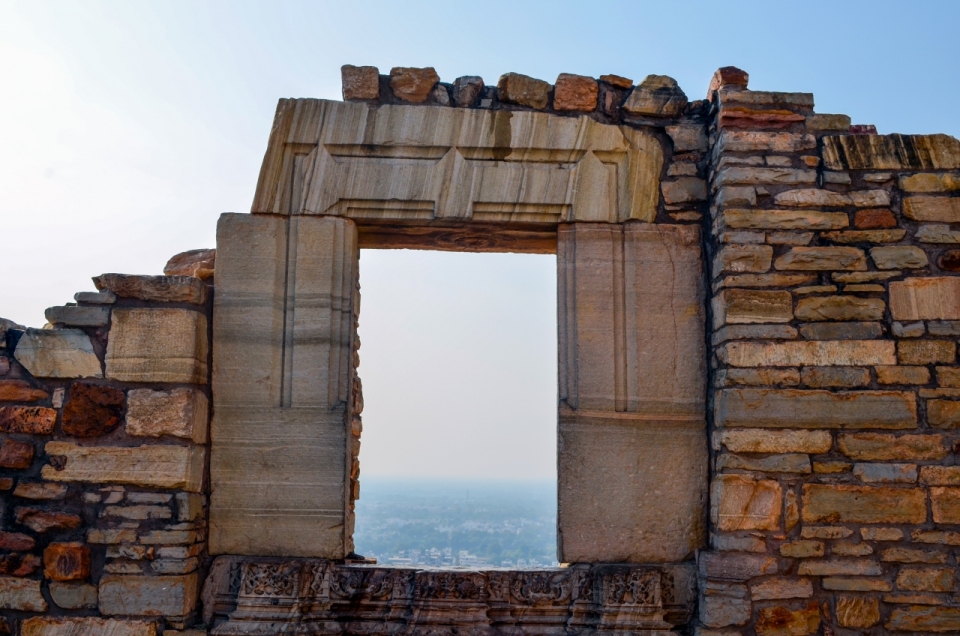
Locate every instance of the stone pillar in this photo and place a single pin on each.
(632, 453)
(283, 372)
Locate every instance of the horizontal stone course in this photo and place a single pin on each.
(793, 408)
(808, 352)
(862, 504)
(783, 219)
(163, 466)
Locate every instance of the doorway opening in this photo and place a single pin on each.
(459, 368)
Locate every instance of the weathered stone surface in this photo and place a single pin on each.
(840, 567)
(741, 116)
(943, 413)
(891, 152)
(723, 611)
(945, 503)
(858, 611)
(757, 141)
(828, 308)
(764, 176)
(925, 579)
(783, 621)
(863, 504)
(757, 377)
(58, 353)
(876, 219)
(413, 84)
(808, 352)
(925, 299)
(360, 82)
(865, 236)
(514, 88)
(918, 618)
(822, 258)
(21, 594)
(781, 588)
(42, 521)
(886, 473)
(911, 555)
(932, 209)
(656, 96)
(617, 80)
(944, 327)
(89, 626)
(930, 182)
(104, 297)
(161, 466)
(802, 549)
(575, 92)
(198, 263)
(835, 376)
(729, 77)
(882, 446)
(899, 257)
(760, 441)
(170, 289)
(791, 408)
(926, 351)
(16, 542)
(16, 455)
(74, 596)
(828, 122)
(40, 490)
(180, 412)
(784, 219)
(734, 566)
(743, 258)
(78, 316)
(684, 190)
(747, 306)
(949, 261)
(739, 502)
(688, 137)
(789, 463)
(66, 561)
(147, 595)
(157, 345)
(937, 233)
(815, 198)
(37, 420)
(940, 475)
(881, 534)
(466, 90)
(91, 410)
(20, 391)
(841, 330)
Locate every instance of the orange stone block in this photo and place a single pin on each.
(575, 92)
(66, 562)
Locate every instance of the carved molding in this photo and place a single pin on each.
(265, 597)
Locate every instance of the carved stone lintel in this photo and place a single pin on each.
(265, 597)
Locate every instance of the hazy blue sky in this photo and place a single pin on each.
(127, 127)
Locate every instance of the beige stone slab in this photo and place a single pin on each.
(157, 345)
(179, 467)
(58, 353)
(630, 489)
(21, 594)
(631, 318)
(809, 352)
(925, 299)
(180, 412)
(87, 626)
(130, 595)
(792, 408)
(932, 209)
(425, 164)
(891, 152)
(278, 468)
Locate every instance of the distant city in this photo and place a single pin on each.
(448, 523)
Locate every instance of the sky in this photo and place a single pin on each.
(128, 127)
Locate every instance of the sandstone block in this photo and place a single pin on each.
(940, 475)
(937, 233)
(783, 219)
(21, 594)
(157, 345)
(821, 377)
(886, 447)
(180, 412)
(781, 588)
(757, 377)
(943, 413)
(16, 455)
(841, 331)
(91, 410)
(881, 534)
(656, 96)
(78, 316)
(783, 621)
(41, 521)
(791, 408)
(575, 92)
(945, 503)
(169, 289)
(739, 502)
(855, 585)
(802, 549)
(359, 82)
(808, 353)
(20, 391)
(932, 209)
(903, 375)
(36, 420)
(74, 595)
(899, 257)
(161, 466)
(40, 491)
(865, 236)
(197, 263)
(105, 297)
(948, 376)
(764, 176)
(413, 84)
(788, 463)
(466, 90)
(735, 566)
(944, 327)
(828, 122)
(878, 219)
(926, 351)
(684, 190)
(927, 182)
(828, 308)
(910, 555)
(925, 579)
(741, 116)
(858, 612)
(729, 77)
(746, 306)
(742, 332)
(16, 542)
(66, 561)
(761, 441)
(723, 611)
(886, 473)
(822, 258)
(757, 141)
(89, 626)
(687, 137)
(171, 596)
(891, 152)
(514, 88)
(917, 618)
(840, 567)
(58, 353)
(743, 258)
(815, 198)
(862, 504)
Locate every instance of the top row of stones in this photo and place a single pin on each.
(656, 96)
